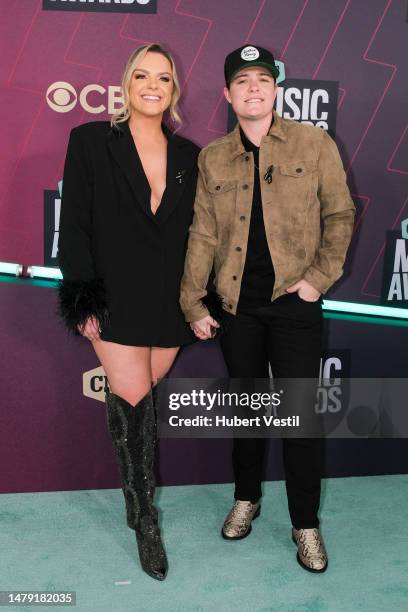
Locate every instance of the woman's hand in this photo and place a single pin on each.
(305, 291)
(204, 328)
(91, 329)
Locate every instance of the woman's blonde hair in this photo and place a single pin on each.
(134, 60)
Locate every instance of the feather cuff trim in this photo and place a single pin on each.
(79, 300)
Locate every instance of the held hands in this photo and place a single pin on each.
(91, 329)
(305, 291)
(205, 328)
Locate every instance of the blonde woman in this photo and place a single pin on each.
(127, 204)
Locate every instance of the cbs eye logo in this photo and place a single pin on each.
(61, 97)
(94, 98)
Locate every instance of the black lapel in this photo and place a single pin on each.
(180, 164)
(123, 149)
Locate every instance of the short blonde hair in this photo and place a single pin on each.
(134, 60)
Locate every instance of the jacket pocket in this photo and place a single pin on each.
(224, 196)
(219, 187)
(294, 185)
(298, 169)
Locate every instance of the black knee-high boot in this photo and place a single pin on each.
(133, 430)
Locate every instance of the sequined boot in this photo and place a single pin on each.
(133, 430)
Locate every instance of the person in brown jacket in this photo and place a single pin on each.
(273, 216)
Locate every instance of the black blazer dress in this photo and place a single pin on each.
(120, 262)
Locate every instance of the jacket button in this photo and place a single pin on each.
(246, 157)
(298, 170)
(238, 249)
(234, 277)
(245, 186)
(242, 218)
(230, 306)
(218, 187)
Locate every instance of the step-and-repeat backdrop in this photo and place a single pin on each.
(61, 64)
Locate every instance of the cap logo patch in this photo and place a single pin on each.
(249, 54)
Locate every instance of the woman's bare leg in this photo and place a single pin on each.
(128, 369)
(161, 361)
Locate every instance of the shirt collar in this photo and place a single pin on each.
(277, 130)
(248, 144)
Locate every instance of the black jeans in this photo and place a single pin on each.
(288, 335)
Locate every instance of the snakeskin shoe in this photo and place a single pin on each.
(237, 525)
(311, 554)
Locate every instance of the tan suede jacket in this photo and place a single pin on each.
(307, 208)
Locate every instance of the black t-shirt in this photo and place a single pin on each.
(259, 277)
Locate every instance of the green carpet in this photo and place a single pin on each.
(79, 541)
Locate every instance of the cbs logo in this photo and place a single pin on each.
(93, 98)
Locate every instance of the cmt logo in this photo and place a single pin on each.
(102, 6)
(333, 392)
(404, 229)
(304, 104)
(52, 210)
(312, 102)
(395, 273)
(62, 97)
(329, 392)
(95, 384)
(399, 280)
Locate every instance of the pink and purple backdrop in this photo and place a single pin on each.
(51, 437)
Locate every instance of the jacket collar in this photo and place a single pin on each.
(179, 162)
(278, 130)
